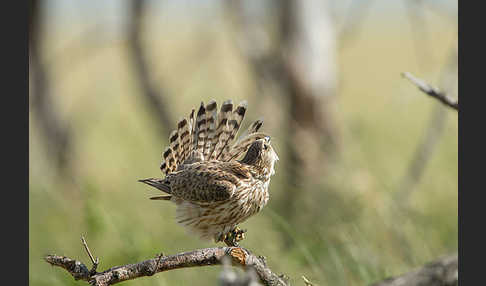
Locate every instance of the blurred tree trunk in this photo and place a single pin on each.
(300, 62)
(154, 98)
(309, 51)
(56, 135)
(308, 42)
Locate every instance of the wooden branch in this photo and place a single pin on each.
(442, 272)
(200, 257)
(436, 125)
(432, 91)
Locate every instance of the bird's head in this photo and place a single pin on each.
(261, 155)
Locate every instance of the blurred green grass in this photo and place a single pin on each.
(348, 231)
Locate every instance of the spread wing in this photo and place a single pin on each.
(207, 181)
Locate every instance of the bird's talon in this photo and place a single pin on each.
(239, 234)
(233, 237)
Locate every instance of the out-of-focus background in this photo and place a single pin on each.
(367, 182)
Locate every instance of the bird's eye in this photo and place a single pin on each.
(265, 146)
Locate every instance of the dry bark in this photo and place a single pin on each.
(201, 257)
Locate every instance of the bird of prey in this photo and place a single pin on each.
(216, 180)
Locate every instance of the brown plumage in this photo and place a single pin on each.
(216, 184)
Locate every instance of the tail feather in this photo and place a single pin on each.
(199, 135)
(253, 128)
(223, 131)
(244, 141)
(192, 127)
(238, 116)
(166, 198)
(211, 121)
(169, 164)
(234, 125)
(184, 133)
(242, 146)
(160, 184)
(210, 134)
(175, 146)
(163, 167)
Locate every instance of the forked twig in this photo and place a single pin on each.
(95, 262)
